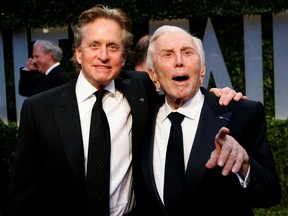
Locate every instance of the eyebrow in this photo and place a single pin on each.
(166, 50)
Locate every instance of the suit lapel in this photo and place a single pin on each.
(212, 118)
(147, 158)
(68, 123)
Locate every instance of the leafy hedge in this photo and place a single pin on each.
(43, 13)
(278, 137)
(8, 136)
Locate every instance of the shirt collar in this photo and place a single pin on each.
(84, 89)
(189, 109)
(50, 68)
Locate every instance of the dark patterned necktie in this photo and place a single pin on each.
(98, 167)
(174, 166)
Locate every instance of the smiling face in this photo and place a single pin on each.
(101, 53)
(177, 67)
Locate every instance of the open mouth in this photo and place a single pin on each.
(180, 78)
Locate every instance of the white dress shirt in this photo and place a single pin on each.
(191, 110)
(119, 117)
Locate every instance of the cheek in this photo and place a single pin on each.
(163, 81)
(117, 59)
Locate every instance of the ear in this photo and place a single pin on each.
(202, 73)
(78, 55)
(50, 55)
(123, 61)
(154, 78)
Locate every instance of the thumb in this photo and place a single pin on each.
(212, 162)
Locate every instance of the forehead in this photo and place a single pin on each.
(174, 40)
(103, 29)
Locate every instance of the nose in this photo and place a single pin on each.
(178, 59)
(103, 54)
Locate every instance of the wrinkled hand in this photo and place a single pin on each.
(227, 94)
(31, 65)
(228, 154)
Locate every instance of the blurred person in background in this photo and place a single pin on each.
(140, 53)
(43, 70)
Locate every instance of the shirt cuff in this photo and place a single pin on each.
(25, 69)
(244, 183)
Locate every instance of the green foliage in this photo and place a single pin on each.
(231, 46)
(42, 13)
(278, 137)
(8, 137)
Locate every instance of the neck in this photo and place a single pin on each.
(176, 103)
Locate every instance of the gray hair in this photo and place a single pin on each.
(168, 28)
(49, 47)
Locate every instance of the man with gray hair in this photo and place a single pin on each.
(43, 70)
(214, 160)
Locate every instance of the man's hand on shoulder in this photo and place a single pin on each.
(226, 94)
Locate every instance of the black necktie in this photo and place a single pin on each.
(174, 167)
(98, 167)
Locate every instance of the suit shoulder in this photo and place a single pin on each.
(59, 71)
(248, 104)
(142, 77)
(46, 96)
(133, 73)
(243, 106)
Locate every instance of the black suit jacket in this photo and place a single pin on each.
(49, 176)
(32, 82)
(206, 191)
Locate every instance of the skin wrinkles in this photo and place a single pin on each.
(179, 73)
(101, 52)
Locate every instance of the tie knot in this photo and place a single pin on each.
(175, 117)
(100, 93)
